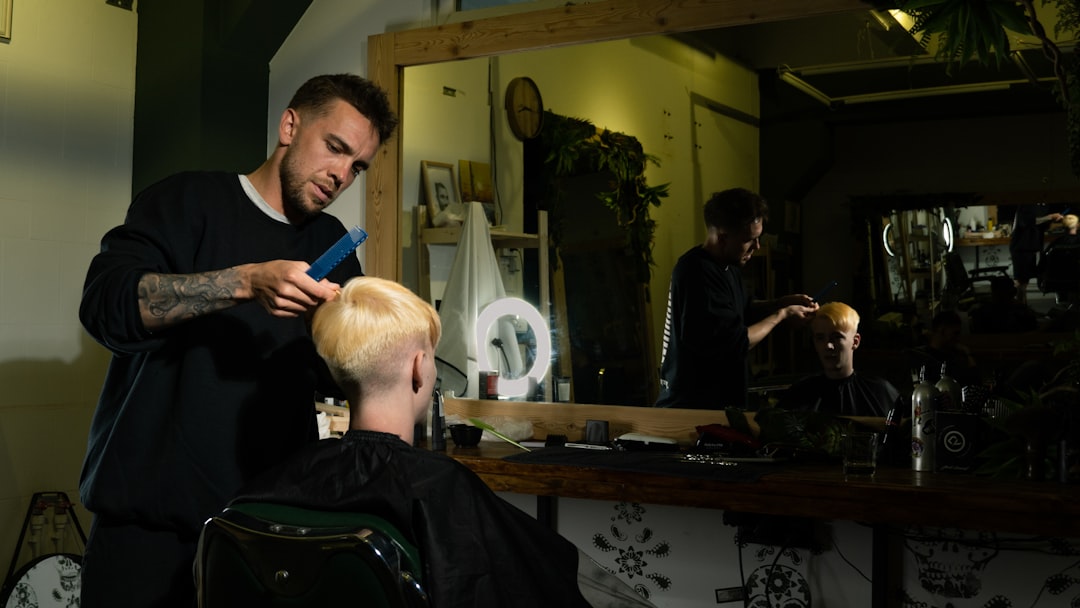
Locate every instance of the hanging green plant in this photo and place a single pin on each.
(575, 146)
(970, 30)
(1067, 70)
(978, 30)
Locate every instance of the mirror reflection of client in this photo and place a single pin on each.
(378, 340)
(838, 389)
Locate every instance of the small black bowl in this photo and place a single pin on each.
(465, 435)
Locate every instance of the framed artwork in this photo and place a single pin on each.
(5, 19)
(475, 180)
(440, 188)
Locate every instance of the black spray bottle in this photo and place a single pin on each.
(438, 421)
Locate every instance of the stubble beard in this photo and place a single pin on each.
(294, 201)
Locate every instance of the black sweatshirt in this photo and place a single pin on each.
(188, 414)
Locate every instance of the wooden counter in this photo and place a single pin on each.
(569, 418)
(893, 496)
(980, 241)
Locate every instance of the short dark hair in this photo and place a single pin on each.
(316, 95)
(734, 209)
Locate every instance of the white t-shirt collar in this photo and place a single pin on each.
(257, 198)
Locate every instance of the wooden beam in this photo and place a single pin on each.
(383, 179)
(594, 22)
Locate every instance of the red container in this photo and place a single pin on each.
(489, 384)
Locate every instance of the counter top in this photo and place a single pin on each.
(892, 496)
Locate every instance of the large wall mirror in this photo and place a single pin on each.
(687, 81)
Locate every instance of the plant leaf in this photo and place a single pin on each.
(487, 427)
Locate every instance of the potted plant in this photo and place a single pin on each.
(575, 146)
(1037, 427)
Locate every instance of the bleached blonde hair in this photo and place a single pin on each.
(369, 332)
(842, 316)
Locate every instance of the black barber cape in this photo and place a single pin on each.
(855, 395)
(478, 550)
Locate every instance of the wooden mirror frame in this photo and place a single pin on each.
(390, 53)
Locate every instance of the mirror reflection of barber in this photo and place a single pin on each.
(712, 323)
(1026, 243)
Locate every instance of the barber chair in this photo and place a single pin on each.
(261, 554)
(960, 282)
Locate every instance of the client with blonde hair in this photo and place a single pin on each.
(838, 389)
(378, 340)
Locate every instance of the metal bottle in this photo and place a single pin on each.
(438, 421)
(950, 398)
(923, 428)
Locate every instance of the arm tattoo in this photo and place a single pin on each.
(167, 299)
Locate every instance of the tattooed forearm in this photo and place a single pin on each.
(167, 299)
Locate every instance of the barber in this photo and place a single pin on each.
(711, 323)
(1025, 245)
(202, 297)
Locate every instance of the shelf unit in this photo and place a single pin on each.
(919, 264)
(500, 239)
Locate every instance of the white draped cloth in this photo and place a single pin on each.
(474, 282)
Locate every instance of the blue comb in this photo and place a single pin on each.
(336, 253)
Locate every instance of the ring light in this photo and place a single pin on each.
(885, 239)
(514, 387)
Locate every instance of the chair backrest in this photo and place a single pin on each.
(957, 279)
(261, 554)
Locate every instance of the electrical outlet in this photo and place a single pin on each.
(730, 594)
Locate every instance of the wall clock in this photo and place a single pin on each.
(524, 108)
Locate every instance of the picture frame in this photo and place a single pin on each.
(5, 19)
(441, 190)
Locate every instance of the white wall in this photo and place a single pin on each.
(67, 88)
